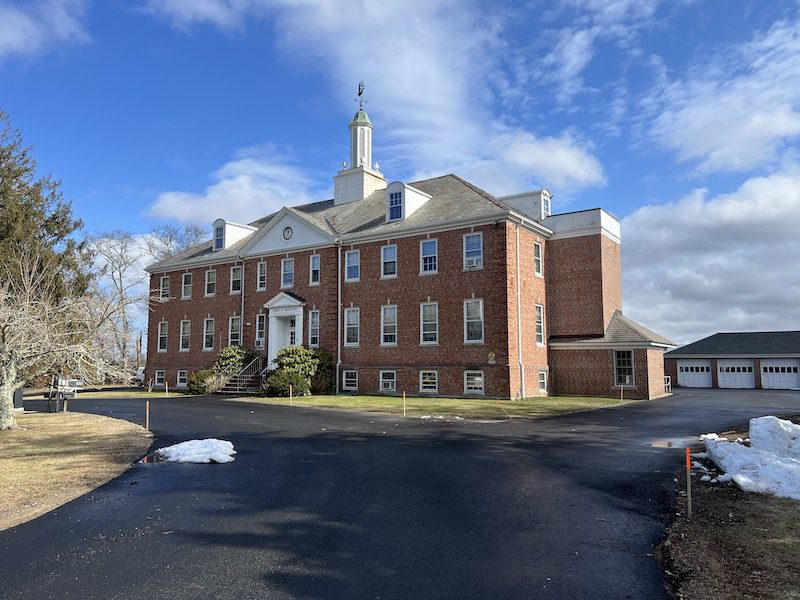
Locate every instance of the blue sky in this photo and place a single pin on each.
(681, 118)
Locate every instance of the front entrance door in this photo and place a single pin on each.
(285, 323)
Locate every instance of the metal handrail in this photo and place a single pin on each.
(667, 384)
(247, 372)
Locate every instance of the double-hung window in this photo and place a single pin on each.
(429, 257)
(162, 336)
(236, 280)
(389, 261)
(208, 334)
(388, 381)
(473, 382)
(389, 325)
(219, 238)
(350, 380)
(261, 328)
(429, 323)
(537, 259)
(163, 291)
(186, 285)
(473, 251)
(352, 262)
(261, 276)
(539, 325)
(211, 282)
(352, 319)
(313, 269)
(160, 379)
(287, 272)
(186, 330)
(543, 382)
(313, 328)
(395, 206)
(473, 321)
(623, 368)
(429, 382)
(235, 331)
(181, 378)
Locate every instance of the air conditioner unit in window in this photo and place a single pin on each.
(473, 263)
(259, 343)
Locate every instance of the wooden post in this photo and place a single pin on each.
(291, 392)
(66, 404)
(404, 403)
(166, 388)
(688, 483)
(147, 415)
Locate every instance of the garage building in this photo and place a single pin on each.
(759, 359)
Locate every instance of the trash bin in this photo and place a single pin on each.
(18, 398)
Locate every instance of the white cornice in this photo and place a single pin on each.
(607, 346)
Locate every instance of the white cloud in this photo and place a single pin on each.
(225, 14)
(250, 186)
(706, 264)
(434, 73)
(737, 112)
(40, 25)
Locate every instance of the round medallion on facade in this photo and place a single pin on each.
(287, 233)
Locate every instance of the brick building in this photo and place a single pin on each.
(431, 287)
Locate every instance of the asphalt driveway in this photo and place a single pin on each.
(323, 504)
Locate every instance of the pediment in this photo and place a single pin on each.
(286, 231)
(284, 300)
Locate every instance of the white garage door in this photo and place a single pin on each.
(780, 374)
(694, 373)
(736, 374)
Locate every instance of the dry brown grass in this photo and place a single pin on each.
(54, 458)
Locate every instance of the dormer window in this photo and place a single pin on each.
(545, 206)
(395, 206)
(219, 237)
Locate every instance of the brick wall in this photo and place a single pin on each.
(591, 373)
(655, 372)
(583, 284)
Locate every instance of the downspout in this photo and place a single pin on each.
(241, 314)
(338, 311)
(520, 365)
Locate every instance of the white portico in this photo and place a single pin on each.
(285, 312)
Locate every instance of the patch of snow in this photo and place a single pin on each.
(770, 465)
(724, 478)
(699, 455)
(705, 478)
(199, 451)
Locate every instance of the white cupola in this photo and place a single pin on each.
(362, 178)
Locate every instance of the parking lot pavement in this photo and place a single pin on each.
(326, 504)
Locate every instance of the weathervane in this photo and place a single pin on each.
(360, 98)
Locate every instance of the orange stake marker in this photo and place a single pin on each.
(688, 483)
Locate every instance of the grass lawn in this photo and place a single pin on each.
(468, 408)
(53, 458)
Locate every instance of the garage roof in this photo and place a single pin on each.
(750, 343)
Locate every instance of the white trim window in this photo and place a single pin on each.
(219, 237)
(287, 272)
(542, 382)
(389, 261)
(208, 334)
(261, 330)
(429, 323)
(261, 276)
(352, 326)
(428, 382)
(539, 325)
(236, 280)
(234, 331)
(473, 250)
(314, 272)
(186, 285)
(473, 383)
(186, 331)
(211, 282)
(352, 265)
(350, 380)
(388, 381)
(389, 325)
(473, 321)
(623, 368)
(181, 378)
(159, 378)
(162, 336)
(537, 259)
(313, 328)
(429, 257)
(395, 212)
(163, 288)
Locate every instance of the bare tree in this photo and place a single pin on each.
(168, 240)
(44, 330)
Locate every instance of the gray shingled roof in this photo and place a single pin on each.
(621, 330)
(750, 343)
(452, 199)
